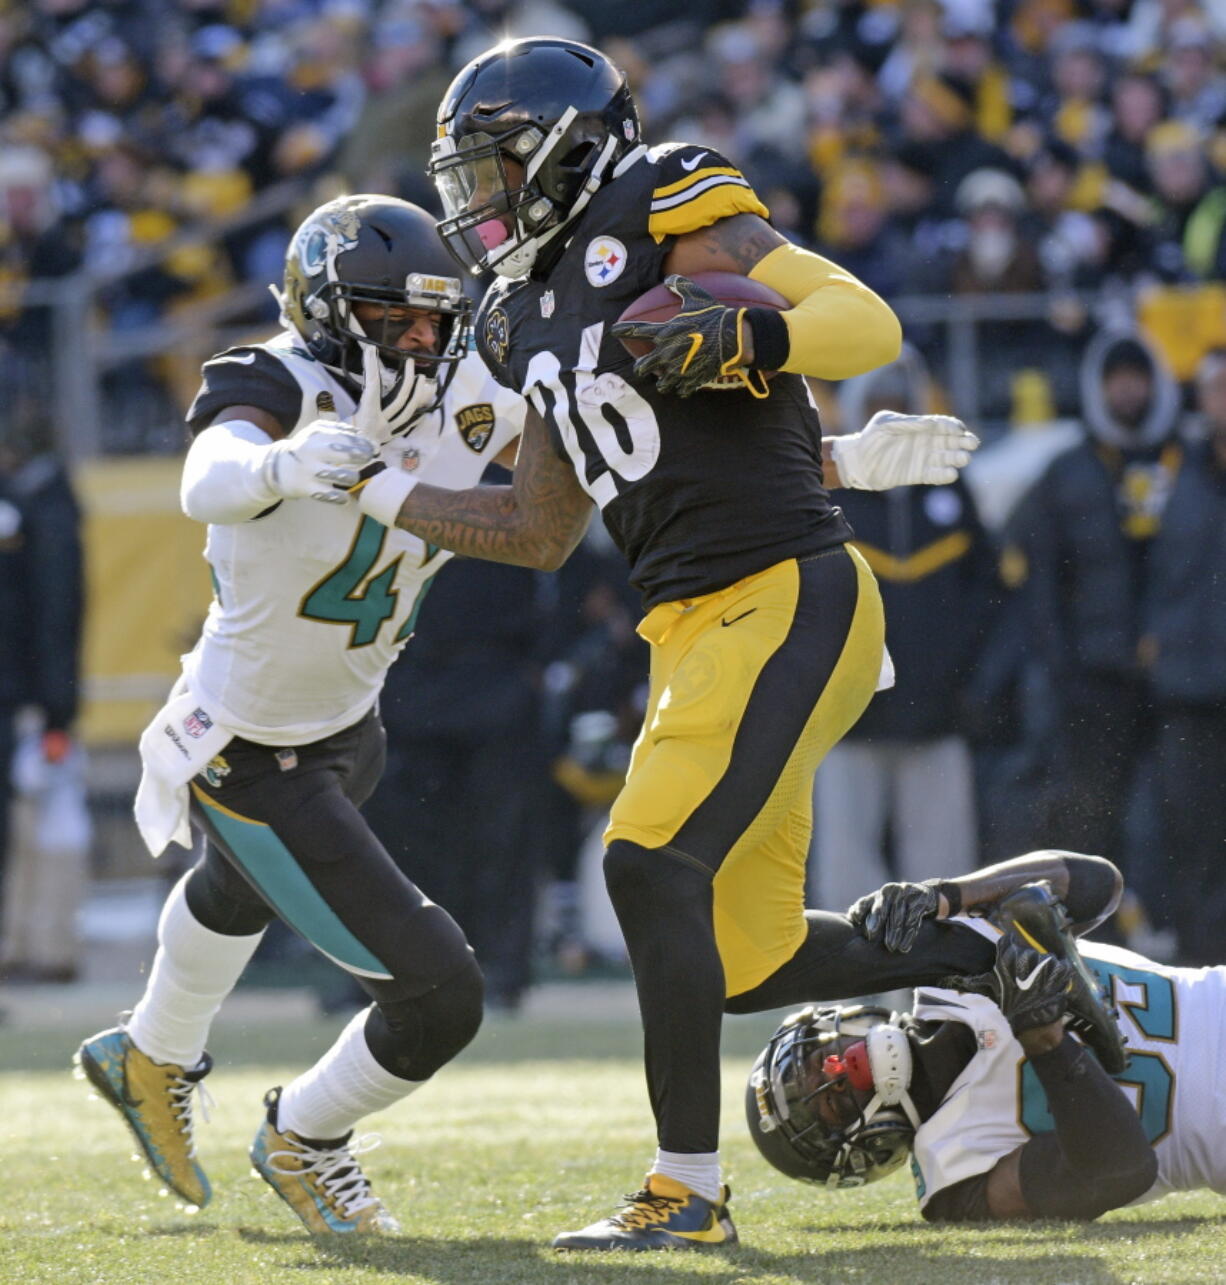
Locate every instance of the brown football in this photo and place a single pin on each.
(660, 304)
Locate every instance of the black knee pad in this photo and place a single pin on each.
(222, 900)
(650, 886)
(412, 1038)
(627, 868)
(630, 871)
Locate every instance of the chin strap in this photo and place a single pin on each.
(889, 1059)
(282, 315)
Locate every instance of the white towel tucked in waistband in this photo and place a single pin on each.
(177, 745)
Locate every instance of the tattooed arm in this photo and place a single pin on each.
(735, 244)
(535, 522)
(837, 326)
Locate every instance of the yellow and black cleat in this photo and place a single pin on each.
(664, 1215)
(1039, 919)
(321, 1181)
(155, 1100)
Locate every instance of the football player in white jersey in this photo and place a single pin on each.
(1004, 1114)
(272, 738)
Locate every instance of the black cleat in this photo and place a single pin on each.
(1039, 918)
(664, 1215)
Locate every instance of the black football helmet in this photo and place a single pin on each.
(827, 1100)
(381, 250)
(562, 111)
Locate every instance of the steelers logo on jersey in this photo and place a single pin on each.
(604, 261)
(476, 425)
(497, 334)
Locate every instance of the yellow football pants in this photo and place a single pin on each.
(750, 687)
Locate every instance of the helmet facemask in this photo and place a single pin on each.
(325, 283)
(828, 1100)
(528, 132)
(498, 223)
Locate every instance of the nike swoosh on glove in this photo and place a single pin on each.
(903, 450)
(1030, 988)
(701, 343)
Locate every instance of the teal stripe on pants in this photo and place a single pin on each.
(269, 864)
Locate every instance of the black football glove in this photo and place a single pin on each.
(1030, 988)
(894, 912)
(701, 343)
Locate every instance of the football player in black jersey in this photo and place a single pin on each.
(766, 630)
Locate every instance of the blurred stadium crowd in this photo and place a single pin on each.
(936, 147)
(955, 151)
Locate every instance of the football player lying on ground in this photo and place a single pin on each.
(274, 725)
(1005, 1114)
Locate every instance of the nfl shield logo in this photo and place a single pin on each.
(548, 304)
(197, 723)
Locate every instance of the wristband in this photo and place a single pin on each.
(951, 892)
(771, 341)
(382, 496)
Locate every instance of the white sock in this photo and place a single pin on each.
(698, 1171)
(343, 1086)
(193, 972)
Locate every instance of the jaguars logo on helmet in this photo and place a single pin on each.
(369, 249)
(562, 113)
(828, 1102)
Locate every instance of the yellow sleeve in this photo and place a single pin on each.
(837, 327)
(699, 199)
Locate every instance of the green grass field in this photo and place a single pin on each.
(537, 1128)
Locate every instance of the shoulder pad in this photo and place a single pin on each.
(696, 186)
(251, 375)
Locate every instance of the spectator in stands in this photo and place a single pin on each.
(995, 259)
(31, 246)
(40, 586)
(902, 780)
(910, 195)
(770, 110)
(1138, 103)
(1190, 236)
(937, 118)
(405, 78)
(1064, 236)
(845, 106)
(969, 56)
(1196, 85)
(1082, 548)
(1184, 648)
(854, 229)
(1074, 111)
(917, 53)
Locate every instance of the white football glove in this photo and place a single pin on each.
(903, 450)
(384, 490)
(320, 462)
(390, 401)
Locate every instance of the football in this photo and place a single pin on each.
(660, 304)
